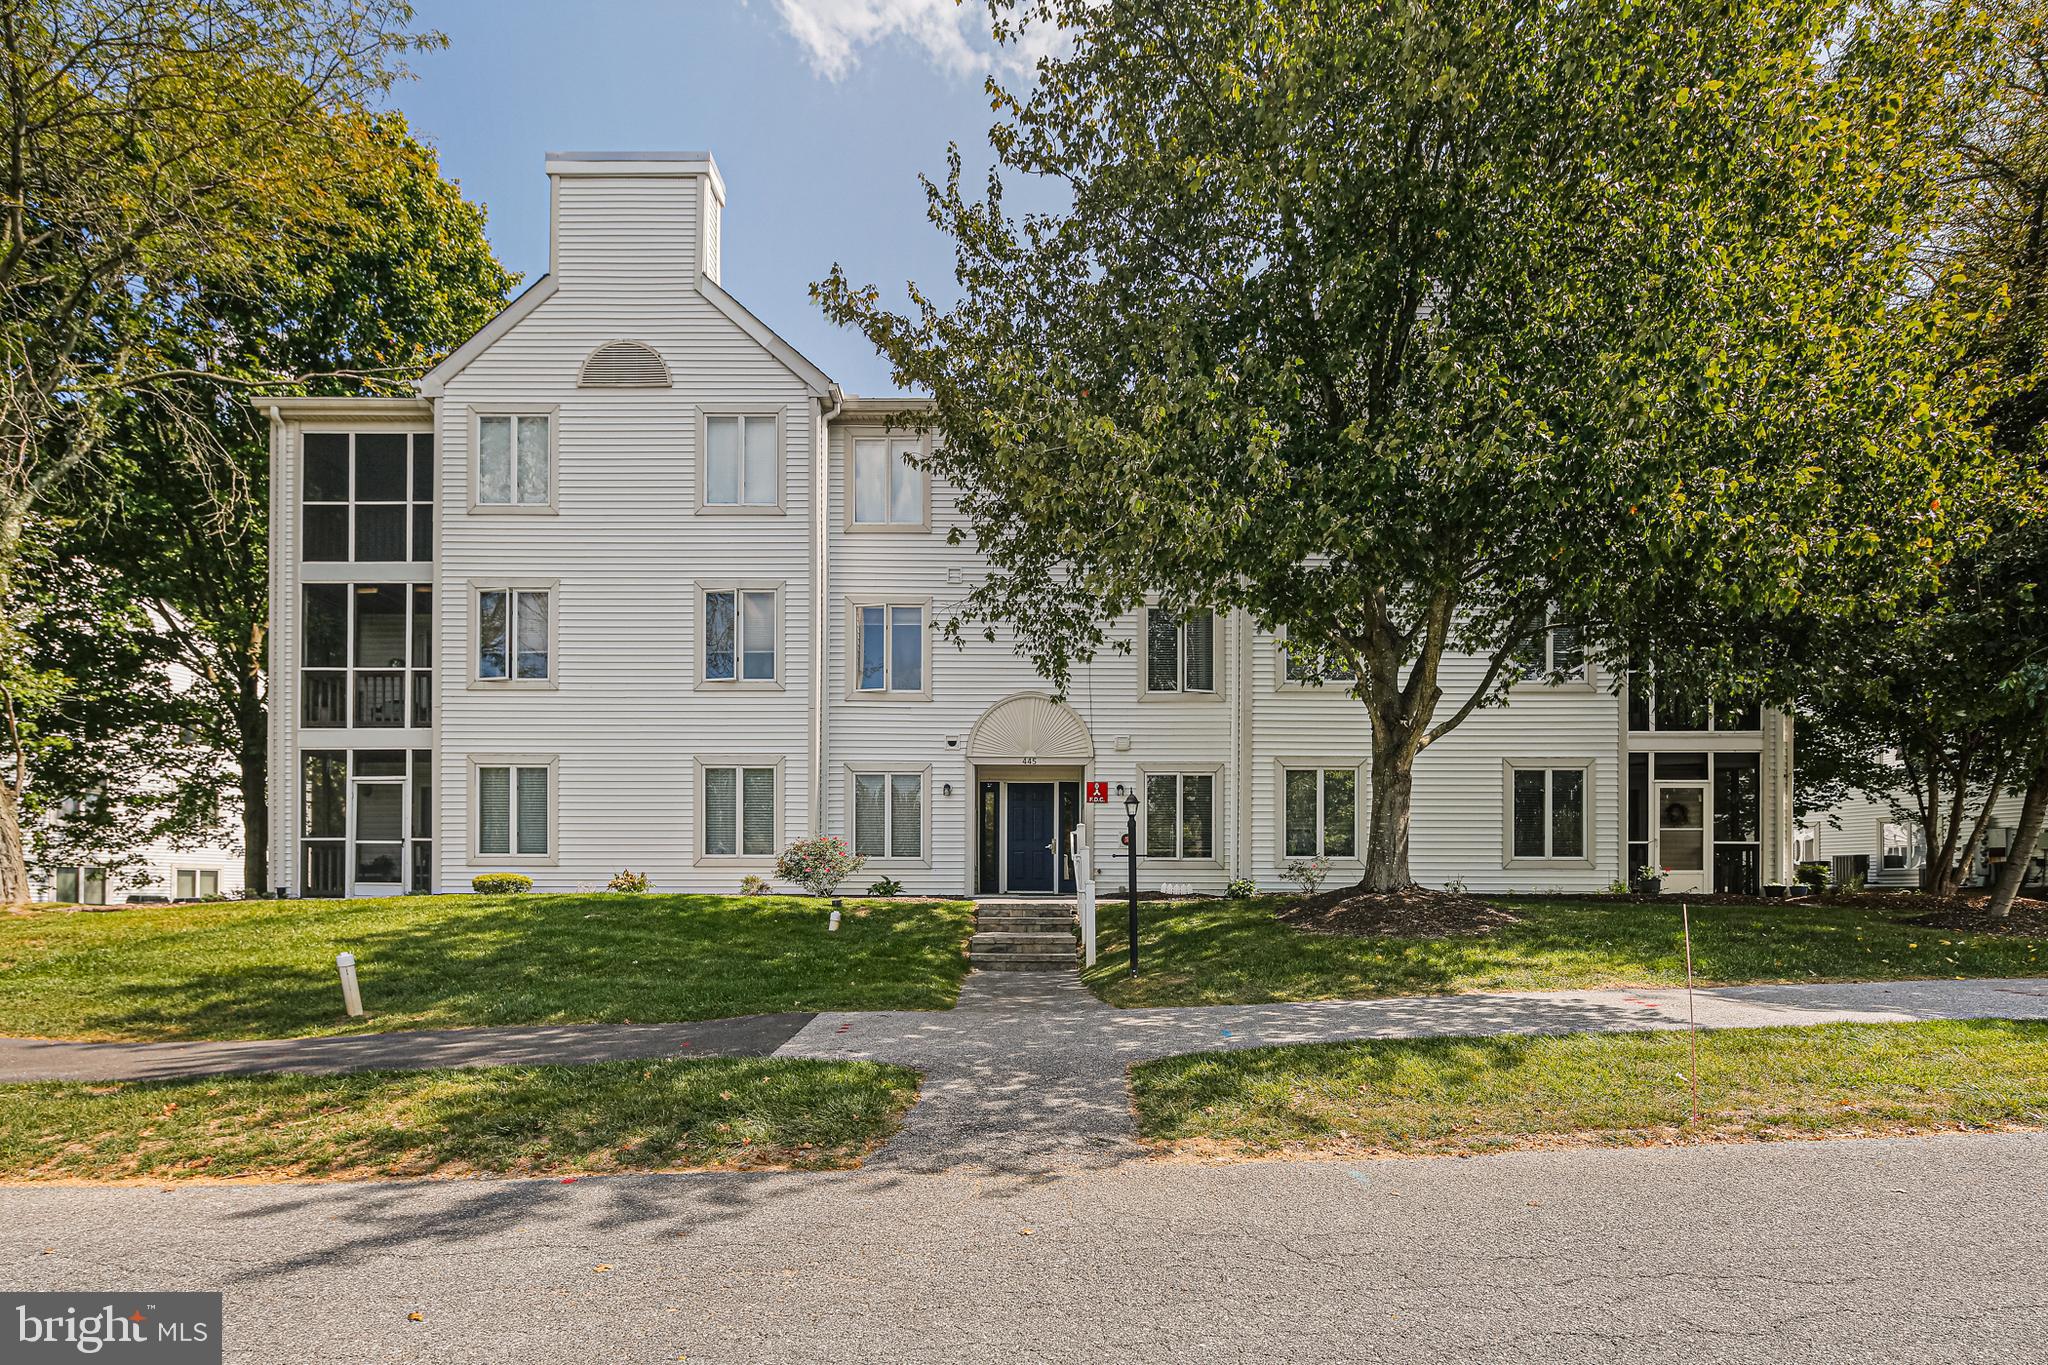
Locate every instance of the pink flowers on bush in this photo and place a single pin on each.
(819, 864)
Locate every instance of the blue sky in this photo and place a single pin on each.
(821, 114)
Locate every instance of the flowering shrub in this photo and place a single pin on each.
(1307, 873)
(500, 883)
(753, 884)
(628, 880)
(818, 865)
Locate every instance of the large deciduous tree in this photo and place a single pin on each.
(1408, 327)
(143, 144)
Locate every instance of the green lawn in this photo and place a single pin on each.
(251, 969)
(1235, 952)
(549, 1120)
(1462, 1095)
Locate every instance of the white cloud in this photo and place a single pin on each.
(954, 36)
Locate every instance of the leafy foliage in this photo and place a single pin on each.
(500, 883)
(1401, 326)
(628, 880)
(818, 864)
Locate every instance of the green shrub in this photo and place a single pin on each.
(628, 880)
(888, 886)
(818, 864)
(753, 884)
(500, 883)
(1241, 889)
(1814, 875)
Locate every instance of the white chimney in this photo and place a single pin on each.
(634, 218)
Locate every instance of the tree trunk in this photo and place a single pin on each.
(2033, 812)
(1386, 847)
(13, 867)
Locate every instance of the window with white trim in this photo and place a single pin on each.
(1180, 815)
(1554, 654)
(514, 460)
(1320, 812)
(739, 635)
(888, 490)
(1547, 810)
(193, 883)
(742, 465)
(513, 635)
(739, 811)
(1901, 847)
(888, 648)
(1180, 651)
(512, 802)
(888, 815)
(79, 885)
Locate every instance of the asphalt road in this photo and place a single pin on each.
(1923, 1250)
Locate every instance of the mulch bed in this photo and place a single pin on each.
(1413, 912)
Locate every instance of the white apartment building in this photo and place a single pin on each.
(633, 584)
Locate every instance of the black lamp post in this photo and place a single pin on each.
(1131, 847)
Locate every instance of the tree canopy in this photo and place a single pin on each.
(1408, 328)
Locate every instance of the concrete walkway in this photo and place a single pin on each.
(1026, 1075)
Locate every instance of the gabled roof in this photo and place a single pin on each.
(814, 378)
(457, 360)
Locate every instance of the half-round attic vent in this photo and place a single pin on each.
(624, 365)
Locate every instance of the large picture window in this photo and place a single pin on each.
(1180, 652)
(1547, 813)
(1180, 815)
(888, 815)
(367, 496)
(1320, 812)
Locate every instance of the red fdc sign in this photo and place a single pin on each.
(1098, 793)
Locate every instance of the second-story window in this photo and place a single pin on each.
(1554, 654)
(887, 489)
(514, 460)
(513, 635)
(366, 655)
(368, 497)
(1180, 651)
(739, 635)
(742, 467)
(889, 649)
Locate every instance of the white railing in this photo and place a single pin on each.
(1084, 896)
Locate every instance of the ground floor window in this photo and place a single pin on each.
(888, 815)
(512, 804)
(738, 811)
(79, 885)
(365, 823)
(1901, 847)
(1547, 813)
(1321, 812)
(1180, 815)
(193, 883)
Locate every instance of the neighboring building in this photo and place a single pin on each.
(161, 871)
(632, 584)
(1872, 840)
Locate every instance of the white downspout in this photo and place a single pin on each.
(821, 484)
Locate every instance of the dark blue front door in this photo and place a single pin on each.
(1031, 836)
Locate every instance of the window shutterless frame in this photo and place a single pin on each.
(477, 505)
(735, 788)
(890, 776)
(514, 766)
(511, 589)
(892, 515)
(1557, 652)
(1151, 823)
(1196, 673)
(729, 627)
(745, 499)
(892, 624)
(1288, 678)
(1325, 794)
(1587, 773)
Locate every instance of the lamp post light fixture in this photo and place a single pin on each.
(1131, 849)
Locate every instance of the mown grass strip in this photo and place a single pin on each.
(728, 1113)
(1467, 1095)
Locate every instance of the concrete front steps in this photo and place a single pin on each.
(1024, 936)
